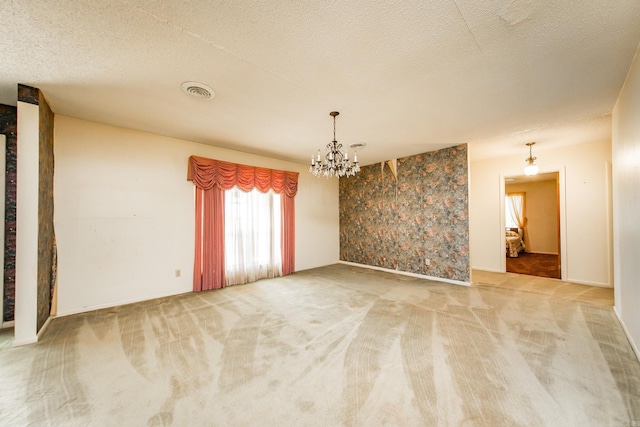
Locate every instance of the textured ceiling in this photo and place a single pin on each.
(407, 76)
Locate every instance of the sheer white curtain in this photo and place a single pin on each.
(515, 210)
(252, 235)
(515, 206)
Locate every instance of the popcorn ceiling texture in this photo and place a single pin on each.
(397, 223)
(440, 73)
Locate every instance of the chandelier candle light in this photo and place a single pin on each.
(531, 168)
(335, 162)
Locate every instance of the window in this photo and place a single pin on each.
(514, 210)
(252, 230)
(215, 181)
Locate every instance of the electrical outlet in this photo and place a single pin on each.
(178, 272)
(427, 261)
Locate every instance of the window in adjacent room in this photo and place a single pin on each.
(514, 210)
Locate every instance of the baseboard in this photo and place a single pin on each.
(488, 270)
(118, 303)
(406, 273)
(44, 327)
(9, 324)
(578, 282)
(586, 282)
(635, 348)
(543, 253)
(25, 341)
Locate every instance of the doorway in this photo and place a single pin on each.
(533, 244)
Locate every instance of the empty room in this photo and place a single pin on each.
(312, 213)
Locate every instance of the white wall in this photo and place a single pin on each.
(26, 307)
(124, 214)
(585, 205)
(626, 205)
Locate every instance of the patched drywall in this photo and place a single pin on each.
(46, 233)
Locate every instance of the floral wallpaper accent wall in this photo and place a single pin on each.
(9, 127)
(399, 222)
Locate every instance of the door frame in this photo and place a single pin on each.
(562, 220)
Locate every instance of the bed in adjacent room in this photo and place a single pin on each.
(514, 243)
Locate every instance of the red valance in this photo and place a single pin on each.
(207, 173)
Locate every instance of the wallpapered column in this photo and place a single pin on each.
(8, 127)
(47, 261)
(398, 222)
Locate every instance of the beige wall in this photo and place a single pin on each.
(542, 216)
(584, 207)
(626, 208)
(124, 214)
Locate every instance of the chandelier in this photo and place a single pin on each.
(531, 168)
(335, 162)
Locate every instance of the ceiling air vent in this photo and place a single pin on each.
(199, 90)
(358, 146)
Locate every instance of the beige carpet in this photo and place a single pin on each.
(6, 338)
(334, 346)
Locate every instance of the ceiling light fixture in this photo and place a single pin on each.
(531, 168)
(199, 90)
(335, 162)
